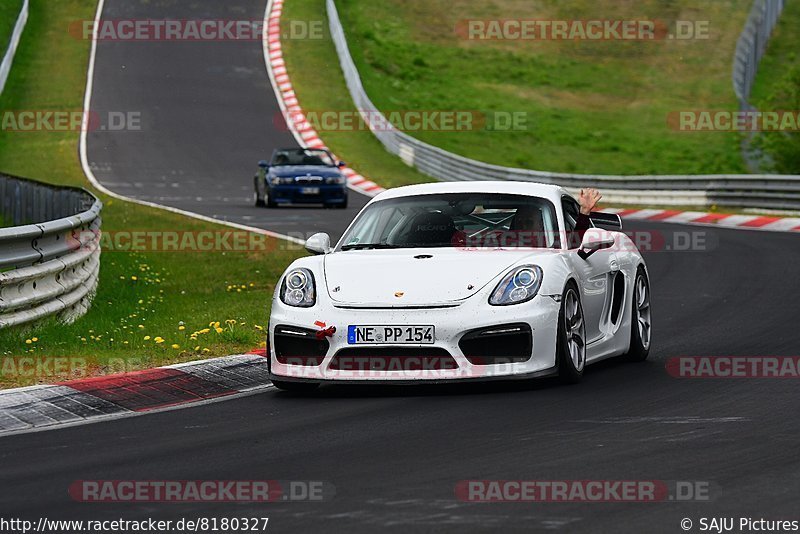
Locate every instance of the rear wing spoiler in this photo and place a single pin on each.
(611, 220)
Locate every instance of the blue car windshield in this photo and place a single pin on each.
(302, 156)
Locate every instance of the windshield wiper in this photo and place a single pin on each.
(368, 246)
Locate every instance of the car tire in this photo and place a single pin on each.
(271, 203)
(571, 342)
(296, 387)
(342, 206)
(259, 201)
(641, 319)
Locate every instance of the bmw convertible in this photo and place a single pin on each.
(461, 281)
(300, 176)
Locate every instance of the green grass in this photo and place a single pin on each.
(783, 53)
(777, 87)
(592, 107)
(9, 11)
(169, 287)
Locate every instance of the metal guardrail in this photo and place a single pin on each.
(751, 46)
(16, 34)
(781, 192)
(50, 258)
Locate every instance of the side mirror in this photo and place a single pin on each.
(319, 244)
(606, 219)
(263, 164)
(593, 240)
(341, 164)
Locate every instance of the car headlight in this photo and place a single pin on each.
(277, 180)
(518, 286)
(338, 180)
(298, 288)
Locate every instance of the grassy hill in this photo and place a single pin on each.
(591, 106)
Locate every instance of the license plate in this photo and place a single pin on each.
(397, 335)
(310, 190)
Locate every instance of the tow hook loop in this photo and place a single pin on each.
(327, 332)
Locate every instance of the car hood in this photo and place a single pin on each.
(303, 170)
(415, 277)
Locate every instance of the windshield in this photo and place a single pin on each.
(455, 220)
(302, 156)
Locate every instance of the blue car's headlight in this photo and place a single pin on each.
(298, 288)
(338, 180)
(518, 286)
(278, 180)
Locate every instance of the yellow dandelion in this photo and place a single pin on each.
(147, 338)
(218, 330)
(197, 348)
(28, 341)
(206, 350)
(175, 346)
(181, 328)
(134, 278)
(259, 327)
(34, 339)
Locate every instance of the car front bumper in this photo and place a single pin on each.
(451, 325)
(308, 194)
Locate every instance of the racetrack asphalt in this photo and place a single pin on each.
(395, 455)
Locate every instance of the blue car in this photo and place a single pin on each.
(301, 176)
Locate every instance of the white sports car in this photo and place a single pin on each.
(461, 281)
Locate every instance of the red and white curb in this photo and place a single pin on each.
(296, 121)
(100, 398)
(722, 220)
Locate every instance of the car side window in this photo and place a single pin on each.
(571, 212)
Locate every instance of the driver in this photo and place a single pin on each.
(529, 219)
